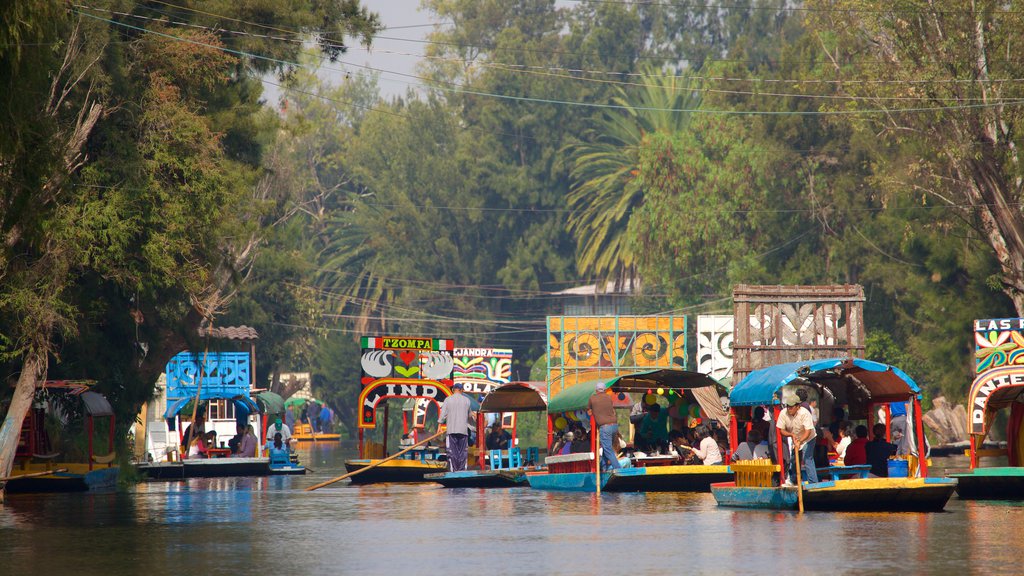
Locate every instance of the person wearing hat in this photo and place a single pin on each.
(796, 422)
(281, 428)
(600, 407)
(457, 414)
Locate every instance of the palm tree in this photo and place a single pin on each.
(604, 170)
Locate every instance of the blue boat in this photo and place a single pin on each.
(863, 383)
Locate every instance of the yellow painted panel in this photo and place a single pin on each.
(691, 469)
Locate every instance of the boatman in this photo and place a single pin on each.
(457, 414)
(600, 407)
(797, 423)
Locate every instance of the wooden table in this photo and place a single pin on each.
(218, 452)
(665, 460)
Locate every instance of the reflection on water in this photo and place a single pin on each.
(271, 526)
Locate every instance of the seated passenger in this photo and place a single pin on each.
(233, 442)
(682, 446)
(247, 445)
(652, 433)
(754, 447)
(856, 453)
(708, 451)
(563, 445)
(278, 451)
(581, 442)
(498, 439)
(845, 439)
(406, 441)
(878, 451)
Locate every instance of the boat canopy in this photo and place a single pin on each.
(96, 404)
(516, 397)
(882, 382)
(270, 403)
(243, 404)
(703, 387)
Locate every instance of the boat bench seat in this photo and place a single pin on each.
(838, 472)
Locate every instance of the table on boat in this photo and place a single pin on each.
(218, 452)
(665, 460)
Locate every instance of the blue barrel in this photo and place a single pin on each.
(898, 469)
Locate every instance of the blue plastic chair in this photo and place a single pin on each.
(496, 460)
(515, 458)
(533, 456)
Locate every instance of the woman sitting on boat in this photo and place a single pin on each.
(708, 452)
(198, 449)
(278, 452)
(247, 444)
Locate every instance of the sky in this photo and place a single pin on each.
(392, 49)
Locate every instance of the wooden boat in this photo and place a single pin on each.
(417, 368)
(397, 470)
(576, 472)
(756, 482)
(999, 365)
(508, 478)
(46, 478)
(41, 467)
(510, 397)
(305, 433)
(205, 468)
(851, 495)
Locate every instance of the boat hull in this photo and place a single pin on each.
(567, 481)
(651, 479)
(852, 495)
(480, 479)
(667, 479)
(73, 480)
(205, 468)
(394, 470)
(1005, 483)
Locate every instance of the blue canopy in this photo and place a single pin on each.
(884, 383)
(243, 404)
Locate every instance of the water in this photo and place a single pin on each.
(271, 526)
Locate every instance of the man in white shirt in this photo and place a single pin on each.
(796, 423)
(457, 414)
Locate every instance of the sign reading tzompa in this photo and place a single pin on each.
(403, 367)
(999, 364)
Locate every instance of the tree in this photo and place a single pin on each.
(950, 61)
(606, 187)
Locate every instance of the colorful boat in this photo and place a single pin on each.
(999, 354)
(576, 472)
(304, 433)
(40, 465)
(862, 384)
(513, 397)
(399, 367)
(220, 383)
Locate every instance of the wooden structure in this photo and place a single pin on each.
(779, 324)
(584, 348)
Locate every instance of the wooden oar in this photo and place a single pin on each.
(34, 474)
(799, 483)
(374, 465)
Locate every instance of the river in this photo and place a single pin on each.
(269, 526)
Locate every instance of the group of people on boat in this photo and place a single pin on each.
(197, 442)
(840, 443)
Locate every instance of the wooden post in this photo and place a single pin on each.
(887, 409)
(919, 426)
(110, 440)
(480, 440)
(974, 453)
(597, 454)
(799, 481)
(778, 445)
(386, 414)
(734, 435)
(361, 443)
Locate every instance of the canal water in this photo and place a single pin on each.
(270, 526)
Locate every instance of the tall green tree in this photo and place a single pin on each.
(606, 185)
